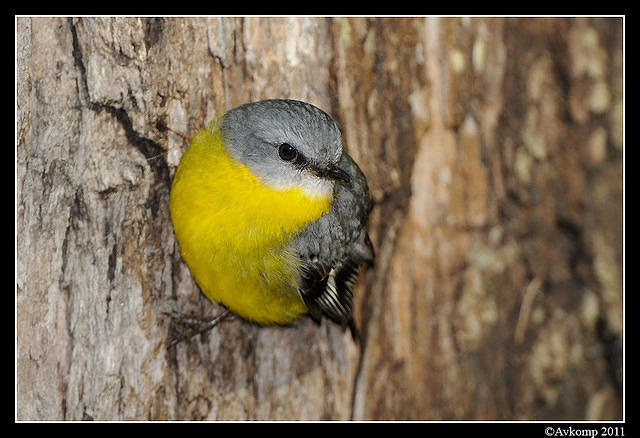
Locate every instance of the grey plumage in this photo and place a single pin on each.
(334, 247)
(252, 132)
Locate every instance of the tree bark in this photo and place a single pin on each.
(493, 149)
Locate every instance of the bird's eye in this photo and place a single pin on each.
(287, 152)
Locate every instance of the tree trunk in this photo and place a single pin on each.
(493, 149)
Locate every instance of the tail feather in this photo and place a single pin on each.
(328, 291)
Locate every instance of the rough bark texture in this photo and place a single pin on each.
(493, 149)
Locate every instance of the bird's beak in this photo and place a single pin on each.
(335, 173)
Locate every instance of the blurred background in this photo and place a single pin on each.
(493, 149)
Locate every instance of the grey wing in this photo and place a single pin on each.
(333, 249)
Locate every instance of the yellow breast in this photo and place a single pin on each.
(235, 232)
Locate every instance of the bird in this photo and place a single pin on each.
(270, 214)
